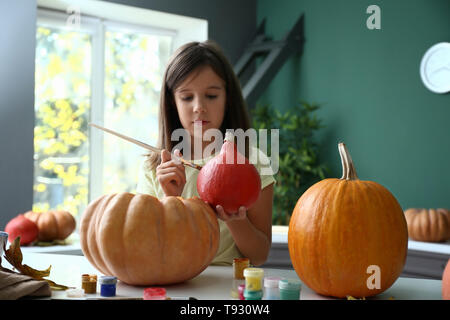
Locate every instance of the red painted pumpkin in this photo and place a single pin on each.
(446, 282)
(23, 227)
(348, 237)
(144, 241)
(229, 179)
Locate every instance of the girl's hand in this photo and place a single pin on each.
(226, 216)
(170, 174)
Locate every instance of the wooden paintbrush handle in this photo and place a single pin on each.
(143, 145)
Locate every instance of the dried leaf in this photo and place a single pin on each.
(14, 256)
(55, 286)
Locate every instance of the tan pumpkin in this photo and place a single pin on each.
(53, 225)
(342, 230)
(431, 225)
(144, 241)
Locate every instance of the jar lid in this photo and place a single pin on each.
(154, 292)
(89, 277)
(250, 295)
(241, 260)
(108, 280)
(290, 284)
(253, 272)
(271, 282)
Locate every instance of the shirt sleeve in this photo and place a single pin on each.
(146, 180)
(264, 167)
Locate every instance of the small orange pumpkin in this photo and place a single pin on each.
(144, 241)
(343, 231)
(53, 225)
(432, 225)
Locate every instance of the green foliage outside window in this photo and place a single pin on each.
(62, 104)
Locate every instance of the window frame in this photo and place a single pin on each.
(96, 27)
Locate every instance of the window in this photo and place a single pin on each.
(134, 67)
(62, 104)
(102, 71)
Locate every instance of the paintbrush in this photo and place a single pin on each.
(145, 145)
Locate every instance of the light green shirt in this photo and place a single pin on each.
(227, 251)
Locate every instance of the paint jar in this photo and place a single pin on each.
(239, 264)
(271, 290)
(3, 241)
(235, 283)
(253, 295)
(155, 293)
(89, 283)
(74, 293)
(289, 289)
(253, 279)
(108, 286)
(241, 290)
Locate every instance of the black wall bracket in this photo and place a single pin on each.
(275, 54)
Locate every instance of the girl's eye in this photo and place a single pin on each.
(211, 96)
(186, 98)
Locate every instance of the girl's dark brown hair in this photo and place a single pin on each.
(186, 59)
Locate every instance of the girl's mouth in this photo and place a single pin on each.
(200, 122)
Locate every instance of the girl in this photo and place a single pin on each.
(200, 89)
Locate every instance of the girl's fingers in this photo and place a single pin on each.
(241, 214)
(165, 156)
(170, 177)
(177, 156)
(166, 173)
(221, 213)
(169, 166)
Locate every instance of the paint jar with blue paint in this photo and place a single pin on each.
(108, 286)
(289, 289)
(271, 290)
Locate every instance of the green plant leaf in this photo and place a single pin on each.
(299, 163)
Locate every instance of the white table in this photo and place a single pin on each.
(214, 283)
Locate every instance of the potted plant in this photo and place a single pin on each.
(299, 163)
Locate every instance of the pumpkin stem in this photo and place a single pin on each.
(348, 169)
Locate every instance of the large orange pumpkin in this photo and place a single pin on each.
(144, 241)
(52, 225)
(346, 234)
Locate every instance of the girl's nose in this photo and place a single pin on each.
(199, 105)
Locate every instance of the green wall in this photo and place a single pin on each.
(369, 87)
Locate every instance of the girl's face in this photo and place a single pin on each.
(200, 100)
